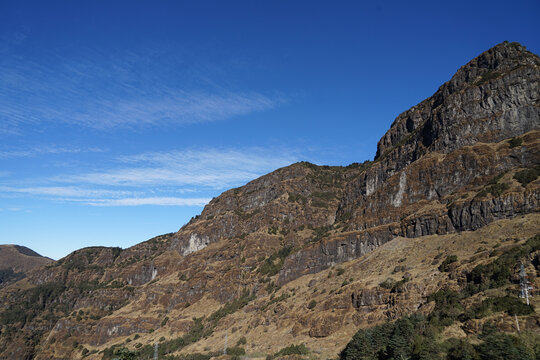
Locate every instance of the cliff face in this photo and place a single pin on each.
(258, 254)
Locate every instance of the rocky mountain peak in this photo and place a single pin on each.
(490, 64)
(492, 97)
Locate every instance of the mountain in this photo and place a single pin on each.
(297, 261)
(16, 261)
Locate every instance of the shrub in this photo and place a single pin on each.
(164, 321)
(291, 350)
(312, 304)
(236, 351)
(528, 175)
(500, 271)
(515, 142)
(445, 265)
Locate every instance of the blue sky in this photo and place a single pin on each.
(119, 120)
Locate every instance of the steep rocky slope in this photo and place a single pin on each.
(302, 255)
(16, 261)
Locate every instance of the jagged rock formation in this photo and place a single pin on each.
(256, 256)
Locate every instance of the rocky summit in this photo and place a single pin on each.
(298, 261)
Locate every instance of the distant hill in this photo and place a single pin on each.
(16, 261)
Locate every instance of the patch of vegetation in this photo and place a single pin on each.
(273, 230)
(274, 300)
(494, 189)
(164, 321)
(528, 175)
(488, 76)
(290, 350)
(232, 306)
(244, 215)
(515, 142)
(297, 198)
(500, 271)
(508, 304)
(31, 303)
(445, 265)
(273, 264)
(393, 285)
(8, 275)
(321, 232)
(418, 337)
(312, 304)
(236, 351)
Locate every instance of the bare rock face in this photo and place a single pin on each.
(493, 97)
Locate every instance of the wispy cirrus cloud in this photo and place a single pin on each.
(65, 191)
(127, 91)
(101, 197)
(160, 201)
(156, 178)
(212, 168)
(45, 150)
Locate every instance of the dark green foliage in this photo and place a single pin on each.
(447, 307)
(241, 341)
(290, 350)
(494, 189)
(496, 179)
(515, 142)
(312, 304)
(232, 306)
(528, 175)
(419, 338)
(9, 275)
(500, 271)
(511, 305)
(461, 350)
(116, 252)
(393, 285)
(445, 264)
(321, 232)
(32, 302)
(272, 230)
(499, 346)
(488, 76)
(236, 351)
(164, 321)
(397, 340)
(274, 262)
(298, 198)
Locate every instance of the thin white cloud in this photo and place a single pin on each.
(160, 201)
(63, 191)
(44, 150)
(125, 91)
(156, 178)
(213, 168)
